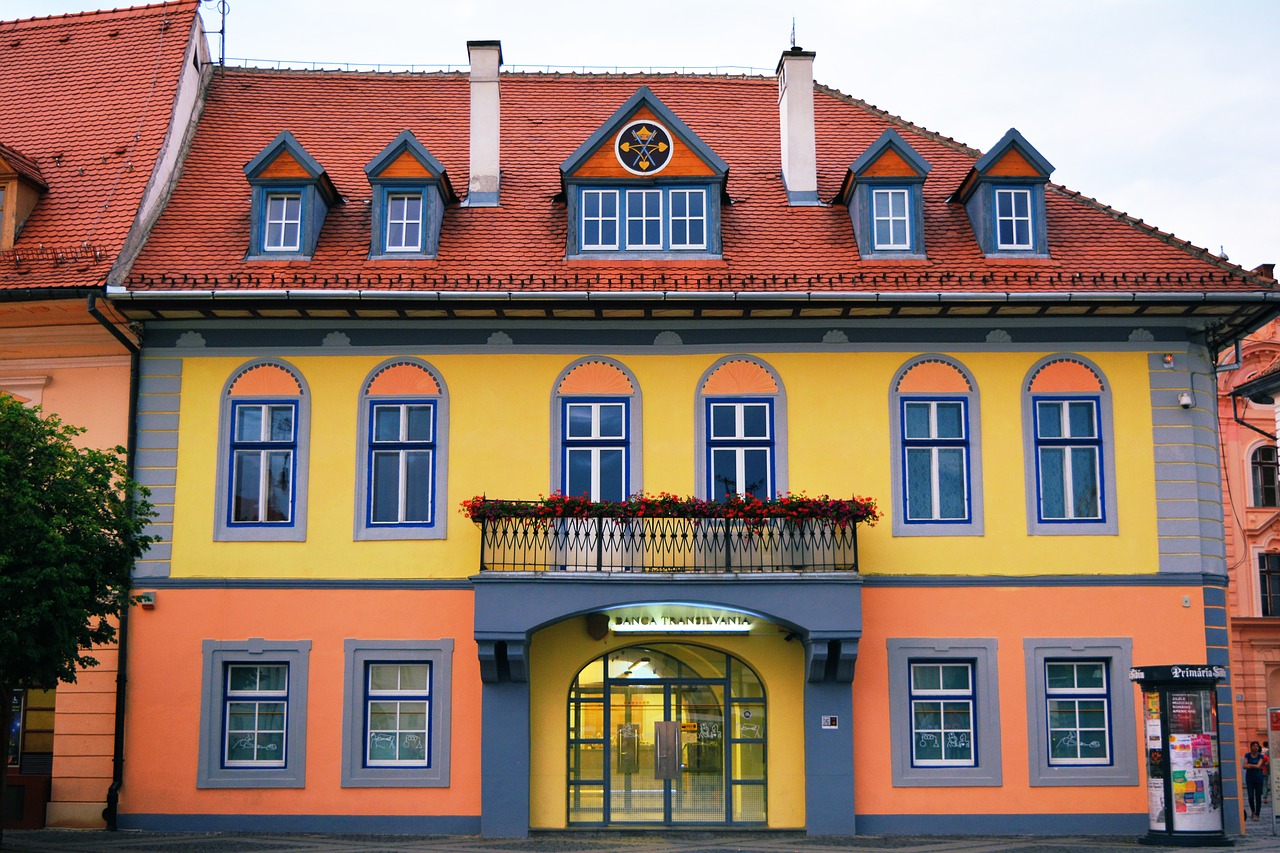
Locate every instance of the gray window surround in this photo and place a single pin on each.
(635, 444)
(779, 399)
(358, 654)
(988, 772)
(210, 772)
(1118, 652)
(975, 526)
(223, 530)
(440, 463)
(1109, 525)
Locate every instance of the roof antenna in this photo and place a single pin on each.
(223, 8)
(793, 33)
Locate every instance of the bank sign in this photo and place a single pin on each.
(677, 619)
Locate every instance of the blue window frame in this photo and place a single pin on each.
(402, 457)
(740, 448)
(397, 729)
(942, 701)
(643, 219)
(255, 718)
(1014, 227)
(264, 444)
(891, 219)
(595, 448)
(935, 450)
(1068, 451)
(1078, 706)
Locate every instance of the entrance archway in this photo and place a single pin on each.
(667, 734)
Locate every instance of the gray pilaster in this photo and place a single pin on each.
(156, 467)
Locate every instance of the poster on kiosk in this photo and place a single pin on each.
(1184, 778)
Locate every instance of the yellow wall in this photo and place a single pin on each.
(559, 652)
(837, 424)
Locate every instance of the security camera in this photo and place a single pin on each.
(1185, 400)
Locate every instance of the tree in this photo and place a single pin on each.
(71, 525)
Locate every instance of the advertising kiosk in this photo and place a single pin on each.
(1184, 774)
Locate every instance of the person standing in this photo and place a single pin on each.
(1254, 777)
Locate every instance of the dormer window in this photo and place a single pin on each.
(1013, 219)
(284, 222)
(890, 208)
(410, 193)
(21, 185)
(292, 194)
(644, 184)
(883, 190)
(1004, 197)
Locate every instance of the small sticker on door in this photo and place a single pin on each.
(830, 722)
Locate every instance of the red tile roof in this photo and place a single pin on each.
(88, 98)
(343, 119)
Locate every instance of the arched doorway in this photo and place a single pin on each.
(667, 734)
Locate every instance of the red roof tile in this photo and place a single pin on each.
(88, 98)
(345, 118)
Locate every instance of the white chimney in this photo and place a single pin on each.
(486, 59)
(795, 118)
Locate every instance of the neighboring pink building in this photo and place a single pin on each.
(1251, 496)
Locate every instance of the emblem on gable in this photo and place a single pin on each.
(643, 147)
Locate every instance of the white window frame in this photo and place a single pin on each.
(688, 218)
(403, 447)
(740, 444)
(595, 443)
(888, 220)
(259, 699)
(279, 217)
(933, 444)
(650, 214)
(1065, 444)
(600, 219)
(263, 447)
(942, 697)
(398, 697)
(394, 224)
(1013, 193)
(1076, 695)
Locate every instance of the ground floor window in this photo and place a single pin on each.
(667, 734)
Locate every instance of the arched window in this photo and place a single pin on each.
(404, 427)
(596, 417)
(262, 469)
(934, 423)
(742, 430)
(1265, 480)
(1068, 447)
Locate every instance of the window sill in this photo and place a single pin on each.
(639, 259)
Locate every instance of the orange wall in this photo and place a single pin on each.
(165, 664)
(1163, 632)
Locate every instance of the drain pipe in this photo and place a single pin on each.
(109, 813)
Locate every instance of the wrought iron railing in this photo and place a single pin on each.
(670, 545)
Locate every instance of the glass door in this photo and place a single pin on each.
(666, 734)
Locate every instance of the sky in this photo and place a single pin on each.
(1168, 110)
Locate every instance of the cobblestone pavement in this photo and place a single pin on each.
(92, 841)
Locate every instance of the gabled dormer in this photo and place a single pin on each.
(1004, 197)
(292, 194)
(644, 185)
(410, 193)
(21, 186)
(883, 190)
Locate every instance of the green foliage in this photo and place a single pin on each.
(70, 528)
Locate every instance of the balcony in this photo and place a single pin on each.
(667, 545)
